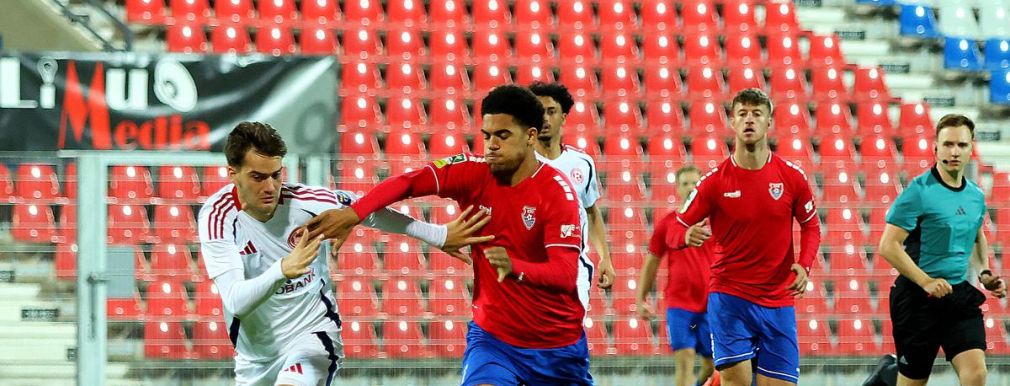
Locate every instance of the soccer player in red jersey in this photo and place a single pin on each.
(685, 294)
(750, 201)
(527, 312)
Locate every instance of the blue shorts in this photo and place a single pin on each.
(491, 361)
(742, 330)
(688, 330)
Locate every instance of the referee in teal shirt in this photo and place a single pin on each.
(933, 234)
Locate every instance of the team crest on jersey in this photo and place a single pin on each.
(776, 189)
(577, 176)
(529, 216)
(295, 236)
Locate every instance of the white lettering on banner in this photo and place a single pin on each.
(10, 85)
(115, 89)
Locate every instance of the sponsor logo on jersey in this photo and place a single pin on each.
(577, 176)
(344, 199)
(567, 230)
(295, 236)
(529, 215)
(775, 189)
(733, 194)
(292, 285)
(809, 206)
(449, 160)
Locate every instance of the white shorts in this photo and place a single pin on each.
(311, 360)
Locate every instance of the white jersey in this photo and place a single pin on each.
(230, 239)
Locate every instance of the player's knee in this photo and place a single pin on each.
(974, 375)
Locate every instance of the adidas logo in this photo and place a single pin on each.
(249, 249)
(902, 360)
(297, 368)
(960, 211)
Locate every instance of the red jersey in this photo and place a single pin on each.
(688, 270)
(751, 213)
(538, 223)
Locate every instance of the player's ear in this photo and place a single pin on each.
(233, 172)
(531, 135)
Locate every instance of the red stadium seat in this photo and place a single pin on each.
(127, 183)
(447, 14)
(277, 11)
(404, 112)
(359, 339)
(165, 339)
(663, 117)
(813, 302)
(36, 182)
(359, 178)
(796, 149)
(68, 223)
(705, 84)
(826, 51)
(873, 120)
(178, 183)
(127, 308)
(65, 260)
(624, 186)
(792, 118)
(576, 15)
(996, 336)
(597, 303)
(814, 336)
(405, 46)
(848, 263)
(834, 119)
(617, 15)
(789, 85)
(619, 47)
(855, 338)
(171, 262)
(321, 12)
(145, 11)
(828, 86)
(840, 184)
(447, 46)
(214, 178)
(915, 119)
(449, 78)
(207, 301)
(596, 335)
(535, 47)
(402, 298)
(128, 225)
(699, 17)
(626, 217)
(403, 258)
(622, 116)
(661, 49)
(746, 77)
(580, 80)
(577, 47)
(708, 118)
(845, 226)
(781, 17)
(360, 112)
(447, 296)
(403, 79)
(535, 72)
(175, 224)
(583, 117)
(357, 297)
(702, 50)
(870, 85)
(584, 142)
(448, 114)
(745, 49)
(918, 155)
(357, 259)
(188, 11)
(487, 76)
(490, 14)
(364, 12)
(738, 17)
(404, 147)
(784, 51)
(211, 341)
(658, 15)
(708, 151)
(186, 38)
(7, 187)
(445, 143)
(878, 152)
(622, 81)
(402, 339)
(360, 44)
(533, 14)
(318, 41)
(447, 338)
(408, 14)
(632, 337)
(275, 40)
(881, 189)
(234, 11)
(33, 223)
(361, 78)
(491, 46)
(167, 298)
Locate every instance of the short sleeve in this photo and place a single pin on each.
(563, 227)
(907, 208)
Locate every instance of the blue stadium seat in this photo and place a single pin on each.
(918, 21)
(961, 54)
(999, 87)
(997, 54)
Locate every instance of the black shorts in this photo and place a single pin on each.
(923, 324)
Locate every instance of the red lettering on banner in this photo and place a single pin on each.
(76, 110)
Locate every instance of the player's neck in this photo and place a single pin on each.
(550, 149)
(260, 216)
(751, 157)
(953, 178)
(524, 171)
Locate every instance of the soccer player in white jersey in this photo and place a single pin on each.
(578, 166)
(281, 318)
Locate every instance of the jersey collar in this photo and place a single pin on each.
(935, 171)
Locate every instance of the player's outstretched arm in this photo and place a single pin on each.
(980, 259)
(598, 236)
(892, 249)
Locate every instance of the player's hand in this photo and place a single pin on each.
(333, 224)
(799, 286)
(697, 234)
(994, 284)
(335, 245)
(644, 310)
(500, 260)
(607, 274)
(297, 262)
(460, 233)
(937, 288)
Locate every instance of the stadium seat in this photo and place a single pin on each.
(745, 49)
(146, 11)
(994, 20)
(855, 338)
(624, 186)
(447, 14)
(449, 78)
(789, 85)
(68, 223)
(534, 72)
(447, 47)
(401, 298)
(128, 225)
(165, 339)
(206, 300)
(661, 50)
(321, 12)
(702, 50)
(870, 85)
(359, 339)
(211, 341)
(814, 335)
(961, 54)
(622, 116)
(632, 337)
(405, 112)
(619, 48)
(576, 15)
(534, 47)
(577, 48)
(999, 87)
(403, 147)
(277, 11)
(699, 17)
(490, 14)
(621, 80)
(746, 77)
(178, 183)
(583, 118)
(626, 217)
(360, 44)
(915, 119)
(917, 20)
(784, 51)
(357, 259)
(996, 336)
(406, 15)
(957, 19)
(402, 79)
(845, 225)
(617, 15)
(7, 185)
(657, 16)
(833, 119)
(873, 120)
(404, 46)
(663, 83)
(997, 54)
(401, 338)
(447, 338)
(487, 76)
(167, 298)
(65, 260)
(792, 119)
(175, 224)
(533, 15)
(36, 183)
(235, 11)
(360, 112)
(490, 46)
(189, 11)
(664, 117)
(597, 303)
(877, 152)
(780, 17)
(318, 41)
(366, 13)
(813, 302)
(828, 85)
(666, 154)
(448, 115)
(840, 185)
(447, 296)
(358, 79)
(825, 51)
(708, 118)
(580, 79)
(275, 40)
(705, 84)
(708, 151)
(129, 183)
(917, 153)
(596, 335)
(357, 297)
(126, 308)
(445, 143)
(402, 257)
(881, 188)
(796, 149)
(214, 178)
(33, 223)
(171, 262)
(739, 18)
(186, 38)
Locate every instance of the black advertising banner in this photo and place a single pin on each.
(136, 101)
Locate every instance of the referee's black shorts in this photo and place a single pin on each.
(923, 324)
